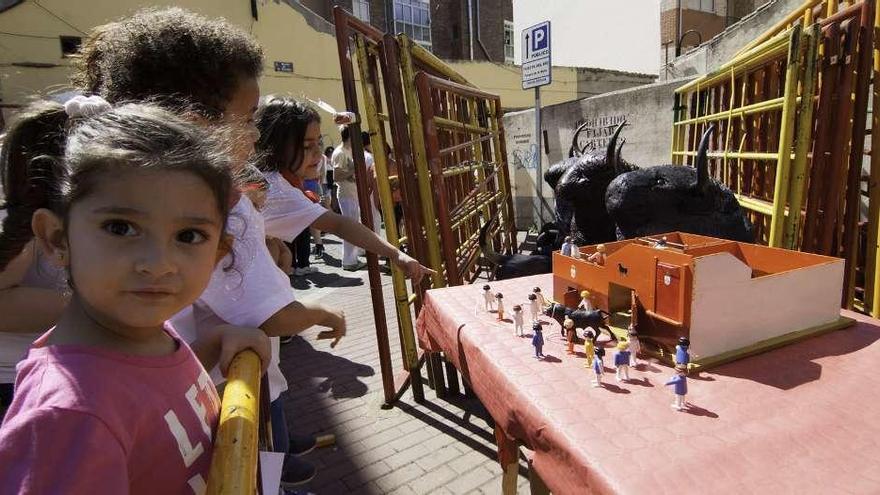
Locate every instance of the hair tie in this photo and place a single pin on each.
(86, 106)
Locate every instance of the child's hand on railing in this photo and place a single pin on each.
(235, 339)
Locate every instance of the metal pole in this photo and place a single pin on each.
(538, 174)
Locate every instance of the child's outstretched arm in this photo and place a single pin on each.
(356, 233)
(296, 317)
(219, 344)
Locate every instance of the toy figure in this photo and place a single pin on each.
(634, 346)
(568, 325)
(517, 320)
(599, 256)
(585, 304)
(568, 247)
(488, 298)
(660, 243)
(598, 365)
(679, 382)
(538, 340)
(540, 296)
(681, 352)
(621, 361)
(589, 347)
(500, 305)
(533, 307)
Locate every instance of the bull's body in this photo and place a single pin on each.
(596, 319)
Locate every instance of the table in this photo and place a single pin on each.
(799, 419)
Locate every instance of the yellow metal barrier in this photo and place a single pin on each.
(234, 461)
(791, 46)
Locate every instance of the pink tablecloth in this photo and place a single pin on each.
(800, 419)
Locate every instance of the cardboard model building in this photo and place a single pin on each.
(731, 299)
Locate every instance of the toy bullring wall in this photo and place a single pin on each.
(647, 110)
(732, 309)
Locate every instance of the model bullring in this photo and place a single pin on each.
(730, 299)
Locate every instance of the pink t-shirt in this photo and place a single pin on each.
(94, 421)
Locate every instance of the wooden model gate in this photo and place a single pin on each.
(441, 189)
(790, 112)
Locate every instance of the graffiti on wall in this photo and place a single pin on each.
(598, 131)
(524, 153)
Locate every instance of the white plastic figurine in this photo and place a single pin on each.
(499, 305)
(634, 346)
(621, 361)
(488, 299)
(568, 247)
(538, 294)
(585, 304)
(534, 309)
(517, 320)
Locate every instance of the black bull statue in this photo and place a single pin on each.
(611, 199)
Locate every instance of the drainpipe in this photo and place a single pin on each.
(471, 27)
(678, 27)
(485, 51)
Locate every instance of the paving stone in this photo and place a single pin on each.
(433, 478)
(408, 449)
(471, 480)
(398, 477)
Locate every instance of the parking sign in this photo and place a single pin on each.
(536, 56)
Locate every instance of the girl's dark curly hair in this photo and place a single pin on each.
(282, 122)
(168, 54)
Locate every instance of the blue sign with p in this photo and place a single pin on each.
(540, 40)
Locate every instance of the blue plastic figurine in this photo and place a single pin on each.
(679, 382)
(567, 247)
(598, 365)
(681, 352)
(538, 340)
(621, 361)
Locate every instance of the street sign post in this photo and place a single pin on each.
(536, 72)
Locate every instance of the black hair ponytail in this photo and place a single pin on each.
(31, 169)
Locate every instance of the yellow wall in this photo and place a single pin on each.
(506, 82)
(283, 31)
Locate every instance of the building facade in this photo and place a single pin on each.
(442, 26)
(694, 21)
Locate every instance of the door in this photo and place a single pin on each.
(667, 291)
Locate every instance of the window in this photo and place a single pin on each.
(70, 45)
(508, 42)
(413, 17)
(361, 9)
(707, 5)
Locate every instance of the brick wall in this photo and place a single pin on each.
(449, 29)
(706, 23)
(449, 24)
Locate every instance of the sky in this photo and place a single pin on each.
(608, 34)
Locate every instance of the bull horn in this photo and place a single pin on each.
(610, 155)
(617, 159)
(702, 163)
(574, 150)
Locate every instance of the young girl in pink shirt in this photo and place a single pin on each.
(111, 400)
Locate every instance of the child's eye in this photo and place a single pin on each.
(120, 228)
(191, 237)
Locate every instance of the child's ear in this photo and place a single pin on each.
(224, 248)
(49, 233)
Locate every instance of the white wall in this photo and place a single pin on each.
(730, 310)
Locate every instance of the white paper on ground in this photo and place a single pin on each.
(270, 471)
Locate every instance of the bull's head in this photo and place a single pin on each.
(580, 183)
(667, 198)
